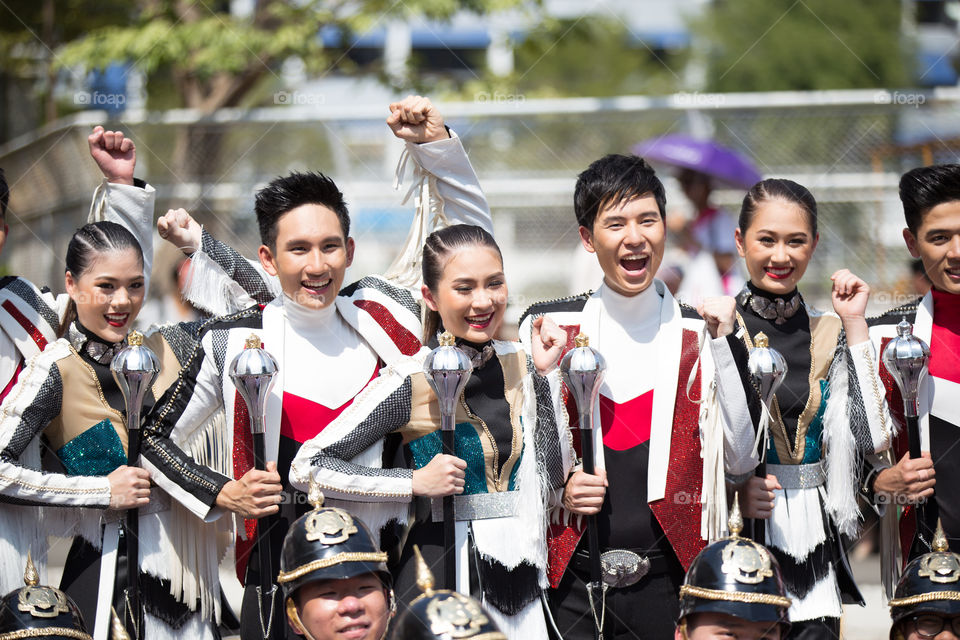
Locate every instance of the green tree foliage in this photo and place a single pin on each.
(204, 57)
(32, 31)
(591, 56)
(209, 57)
(770, 45)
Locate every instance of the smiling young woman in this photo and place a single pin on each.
(104, 280)
(502, 465)
(824, 418)
(67, 401)
(465, 291)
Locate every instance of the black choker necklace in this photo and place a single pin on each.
(777, 309)
(478, 358)
(95, 348)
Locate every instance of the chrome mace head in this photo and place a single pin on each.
(252, 372)
(582, 369)
(135, 368)
(767, 368)
(906, 358)
(447, 369)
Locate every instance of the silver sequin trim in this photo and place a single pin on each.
(478, 506)
(799, 476)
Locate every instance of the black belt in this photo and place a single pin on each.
(659, 563)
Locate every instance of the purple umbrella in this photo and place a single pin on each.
(704, 156)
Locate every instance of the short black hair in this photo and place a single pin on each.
(924, 188)
(284, 194)
(614, 180)
(4, 196)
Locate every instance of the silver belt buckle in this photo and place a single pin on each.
(622, 568)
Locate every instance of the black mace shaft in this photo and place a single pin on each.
(264, 526)
(133, 616)
(449, 521)
(593, 539)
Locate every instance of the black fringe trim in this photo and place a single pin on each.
(509, 590)
(800, 577)
(157, 601)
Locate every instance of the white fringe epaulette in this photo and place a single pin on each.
(209, 288)
(839, 450)
(405, 270)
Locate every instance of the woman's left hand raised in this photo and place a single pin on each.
(720, 314)
(180, 229)
(114, 153)
(415, 119)
(547, 341)
(850, 295)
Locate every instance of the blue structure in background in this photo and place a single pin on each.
(107, 89)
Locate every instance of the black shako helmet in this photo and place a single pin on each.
(735, 576)
(35, 611)
(442, 614)
(328, 544)
(929, 584)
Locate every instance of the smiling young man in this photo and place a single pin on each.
(931, 207)
(647, 493)
(328, 340)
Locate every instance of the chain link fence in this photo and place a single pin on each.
(848, 147)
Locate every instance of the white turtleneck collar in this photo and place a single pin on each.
(640, 311)
(301, 317)
(321, 340)
(628, 327)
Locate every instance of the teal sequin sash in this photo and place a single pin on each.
(467, 447)
(95, 452)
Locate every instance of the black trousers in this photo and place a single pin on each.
(254, 611)
(647, 610)
(250, 610)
